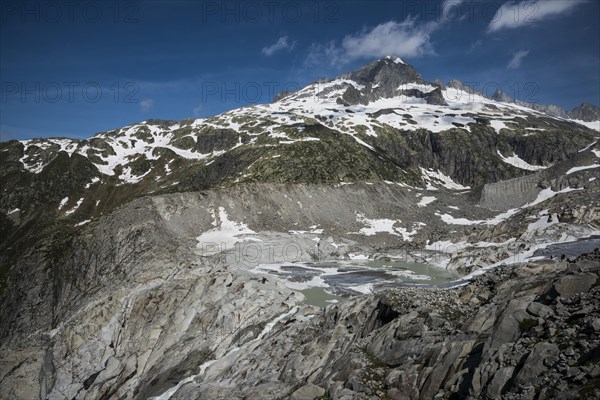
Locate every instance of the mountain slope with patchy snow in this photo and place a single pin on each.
(158, 259)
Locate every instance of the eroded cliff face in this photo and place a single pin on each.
(124, 310)
(127, 306)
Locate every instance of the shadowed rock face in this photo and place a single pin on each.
(353, 96)
(435, 97)
(219, 139)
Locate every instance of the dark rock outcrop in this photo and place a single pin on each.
(211, 140)
(386, 72)
(436, 97)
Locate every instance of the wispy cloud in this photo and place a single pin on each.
(282, 44)
(198, 110)
(407, 38)
(404, 39)
(146, 105)
(517, 59)
(517, 14)
(475, 45)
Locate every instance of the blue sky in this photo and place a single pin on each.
(73, 69)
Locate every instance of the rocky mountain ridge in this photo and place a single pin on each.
(584, 112)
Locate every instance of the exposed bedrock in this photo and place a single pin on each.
(511, 193)
(516, 192)
(519, 333)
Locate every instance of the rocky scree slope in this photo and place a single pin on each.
(131, 313)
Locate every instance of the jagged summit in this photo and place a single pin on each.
(387, 70)
(586, 112)
(385, 78)
(397, 60)
(391, 77)
(386, 73)
(382, 78)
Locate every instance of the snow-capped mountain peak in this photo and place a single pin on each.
(384, 99)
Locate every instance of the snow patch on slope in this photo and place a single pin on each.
(577, 169)
(595, 125)
(438, 177)
(426, 200)
(542, 223)
(384, 225)
(518, 162)
(63, 202)
(225, 234)
(75, 207)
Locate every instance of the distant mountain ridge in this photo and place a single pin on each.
(383, 78)
(585, 112)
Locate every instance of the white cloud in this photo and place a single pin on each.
(516, 14)
(397, 38)
(198, 110)
(146, 105)
(403, 39)
(281, 44)
(517, 58)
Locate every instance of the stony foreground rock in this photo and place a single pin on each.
(501, 337)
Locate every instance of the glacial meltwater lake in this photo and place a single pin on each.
(328, 282)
